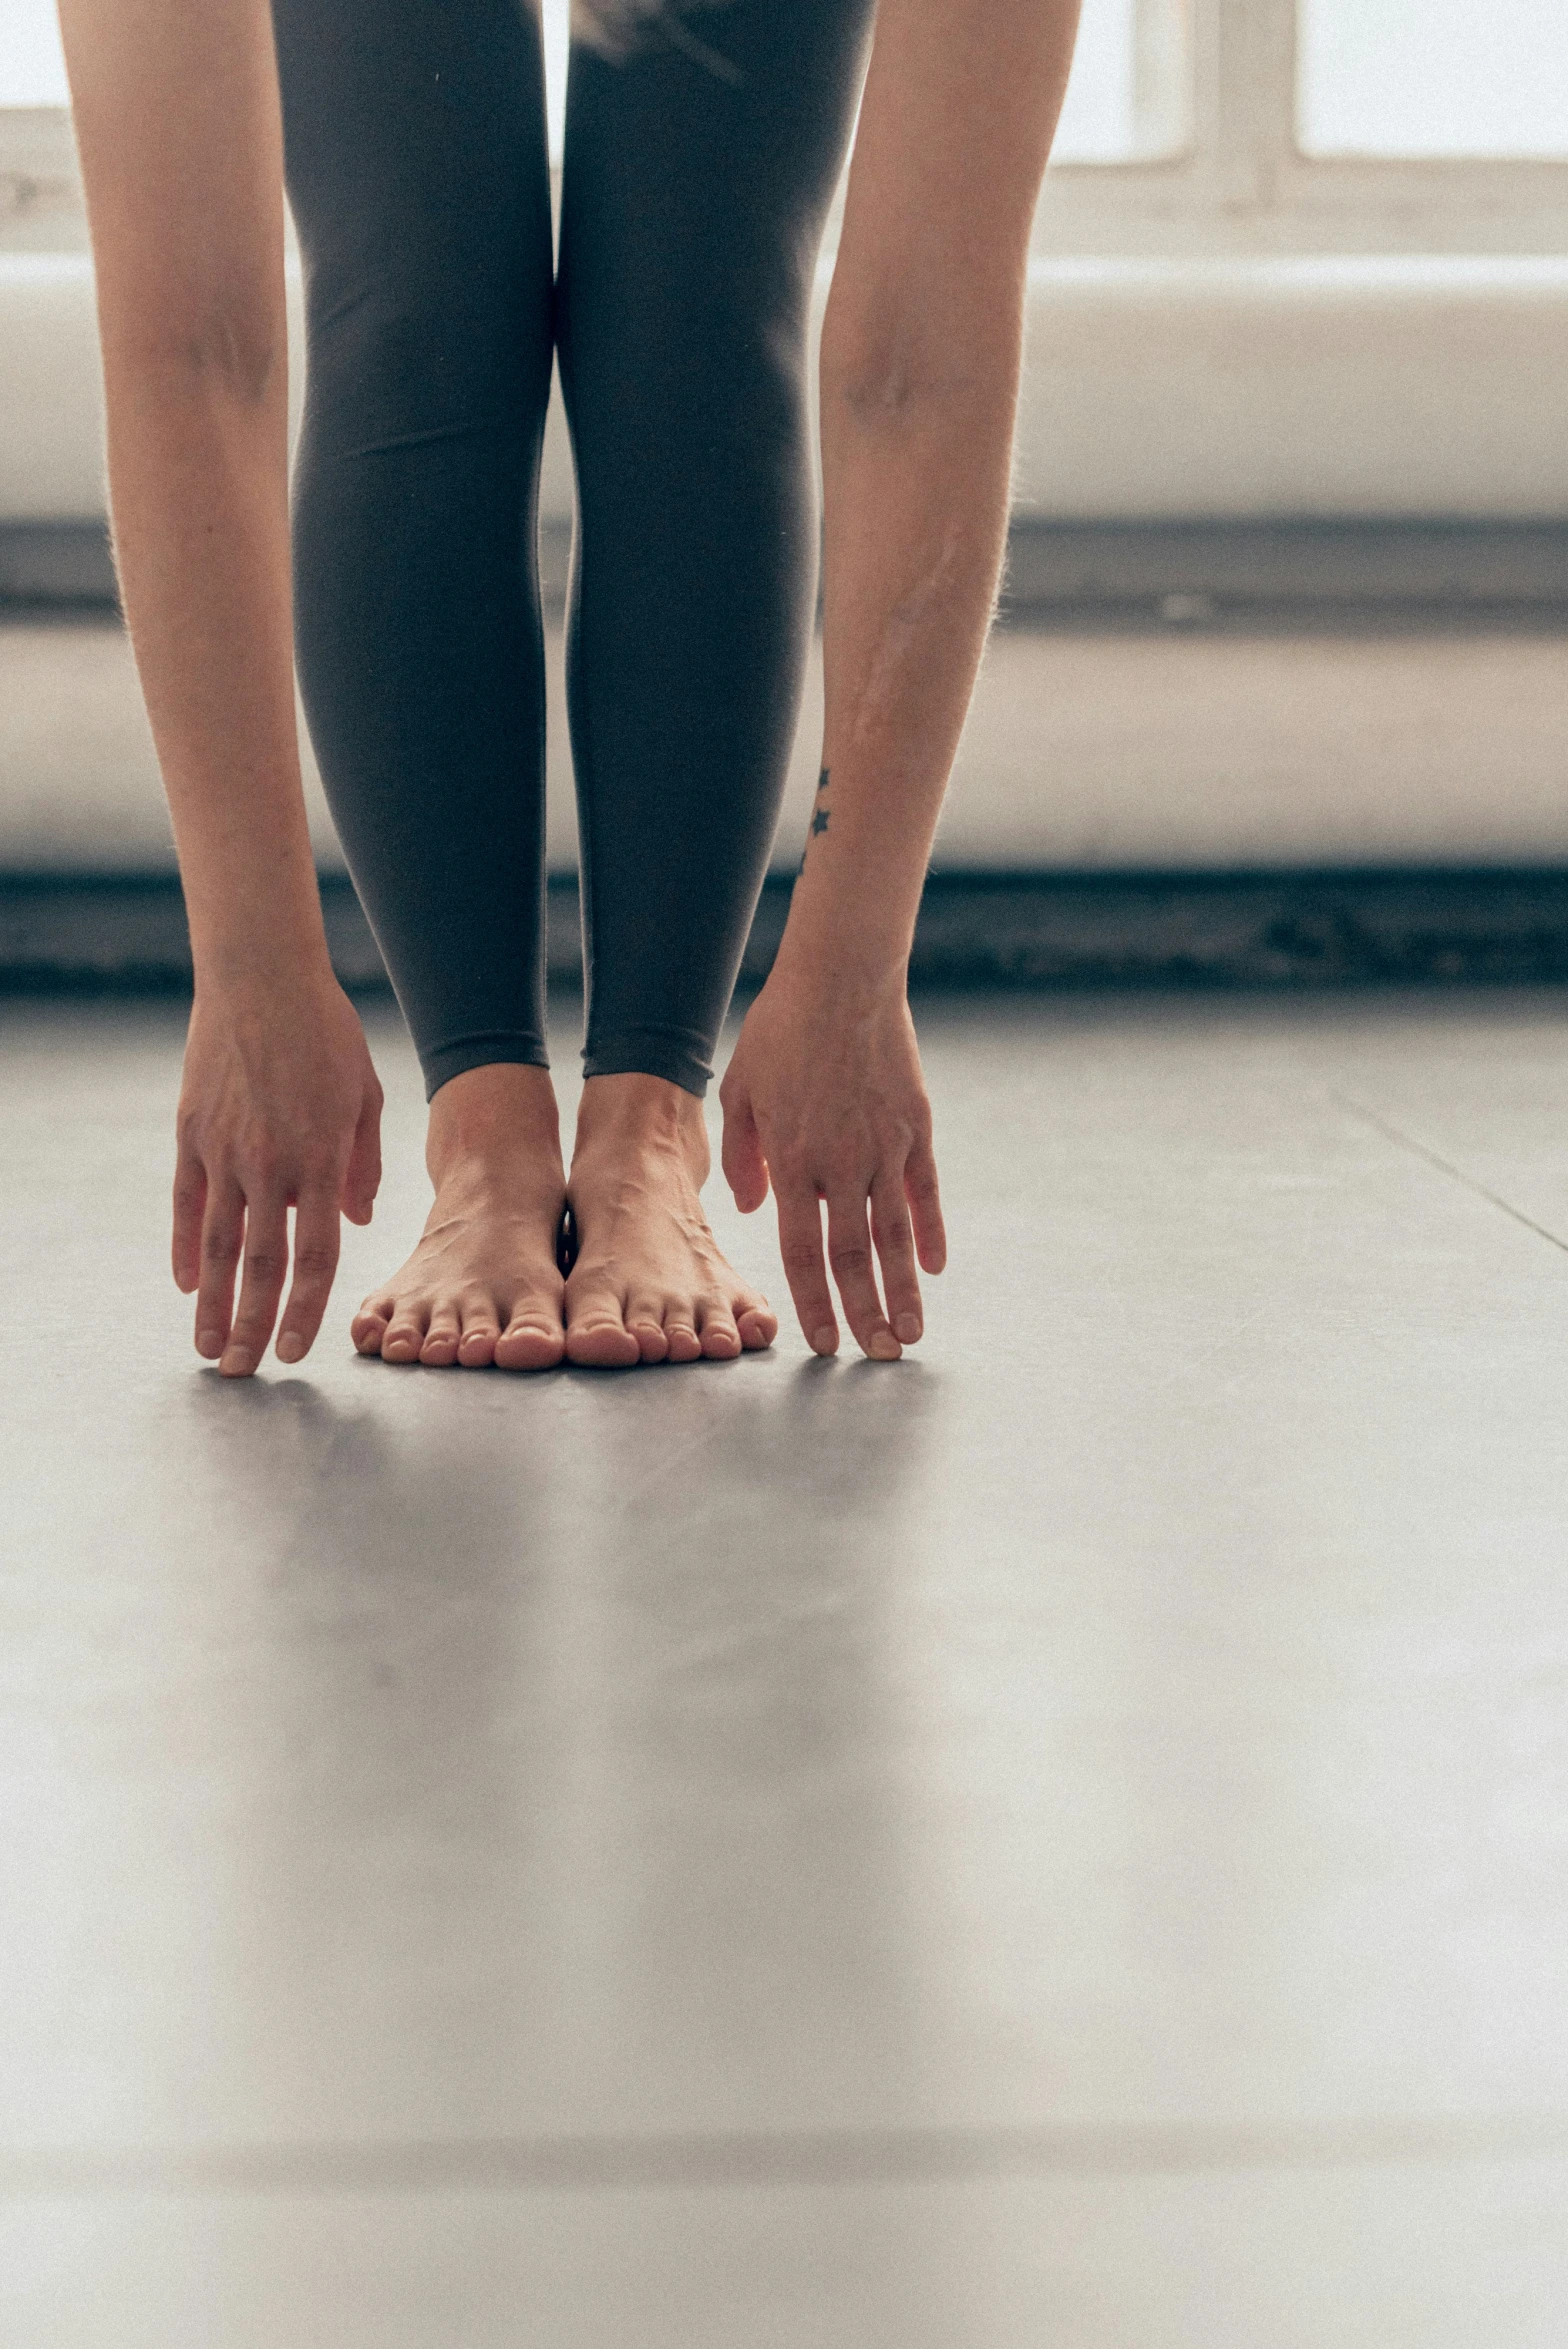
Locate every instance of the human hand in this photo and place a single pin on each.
(824, 1097)
(279, 1107)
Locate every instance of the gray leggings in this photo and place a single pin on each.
(703, 143)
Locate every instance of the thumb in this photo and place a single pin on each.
(362, 1175)
(745, 1167)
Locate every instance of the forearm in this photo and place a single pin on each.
(921, 350)
(915, 515)
(198, 492)
(179, 133)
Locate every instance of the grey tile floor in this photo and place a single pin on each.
(1058, 1844)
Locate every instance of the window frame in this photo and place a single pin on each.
(1242, 185)
(1238, 184)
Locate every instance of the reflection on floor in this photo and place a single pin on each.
(1057, 1842)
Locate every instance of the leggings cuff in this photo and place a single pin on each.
(673, 1053)
(514, 1046)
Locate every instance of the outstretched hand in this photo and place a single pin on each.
(824, 1099)
(280, 1107)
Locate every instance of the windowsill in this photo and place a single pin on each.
(1321, 386)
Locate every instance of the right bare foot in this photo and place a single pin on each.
(483, 1285)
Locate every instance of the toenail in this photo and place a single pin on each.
(884, 1347)
(908, 1327)
(290, 1346)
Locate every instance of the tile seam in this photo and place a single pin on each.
(1445, 1166)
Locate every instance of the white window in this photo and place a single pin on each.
(1349, 126)
(1437, 78)
(1292, 257)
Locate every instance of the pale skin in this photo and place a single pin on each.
(824, 1103)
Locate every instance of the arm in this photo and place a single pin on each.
(921, 350)
(177, 123)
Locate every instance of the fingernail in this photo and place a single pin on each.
(290, 1346)
(209, 1342)
(884, 1347)
(908, 1327)
(824, 1340)
(236, 1362)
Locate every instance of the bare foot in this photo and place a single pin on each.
(649, 1283)
(483, 1285)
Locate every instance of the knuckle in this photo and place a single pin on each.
(849, 1256)
(314, 1259)
(220, 1248)
(264, 1262)
(802, 1261)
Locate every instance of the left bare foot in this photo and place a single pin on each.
(649, 1283)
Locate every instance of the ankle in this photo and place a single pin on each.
(636, 1112)
(501, 1117)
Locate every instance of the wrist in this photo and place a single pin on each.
(264, 941)
(290, 966)
(840, 969)
(842, 948)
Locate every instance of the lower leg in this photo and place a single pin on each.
(649, 1283)
(484, 1284)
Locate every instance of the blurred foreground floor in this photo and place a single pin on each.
(1061, 1843)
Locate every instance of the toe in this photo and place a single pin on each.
(534, 1338)
(757, 1323)
(680, 1334)
(645, 1320)
(442, 1338)
(602, 1345)
(406, 1335)
(596, 1331)
(369, 1325)
(716, 1327)
(481, 1328)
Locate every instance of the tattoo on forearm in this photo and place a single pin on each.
(819, 815)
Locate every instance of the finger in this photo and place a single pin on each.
(362, 1176)
(261, 1283)
(895, 1248)
(849, 1253)
(190, 1204)
(925, 1206)
(741, 1156)
(800, 1245)
(316, 1241)
(222, 1231)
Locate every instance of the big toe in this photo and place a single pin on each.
(597, 1335)
(534, 1338)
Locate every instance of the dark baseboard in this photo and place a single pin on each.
(1284, 565)
(75, 934)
